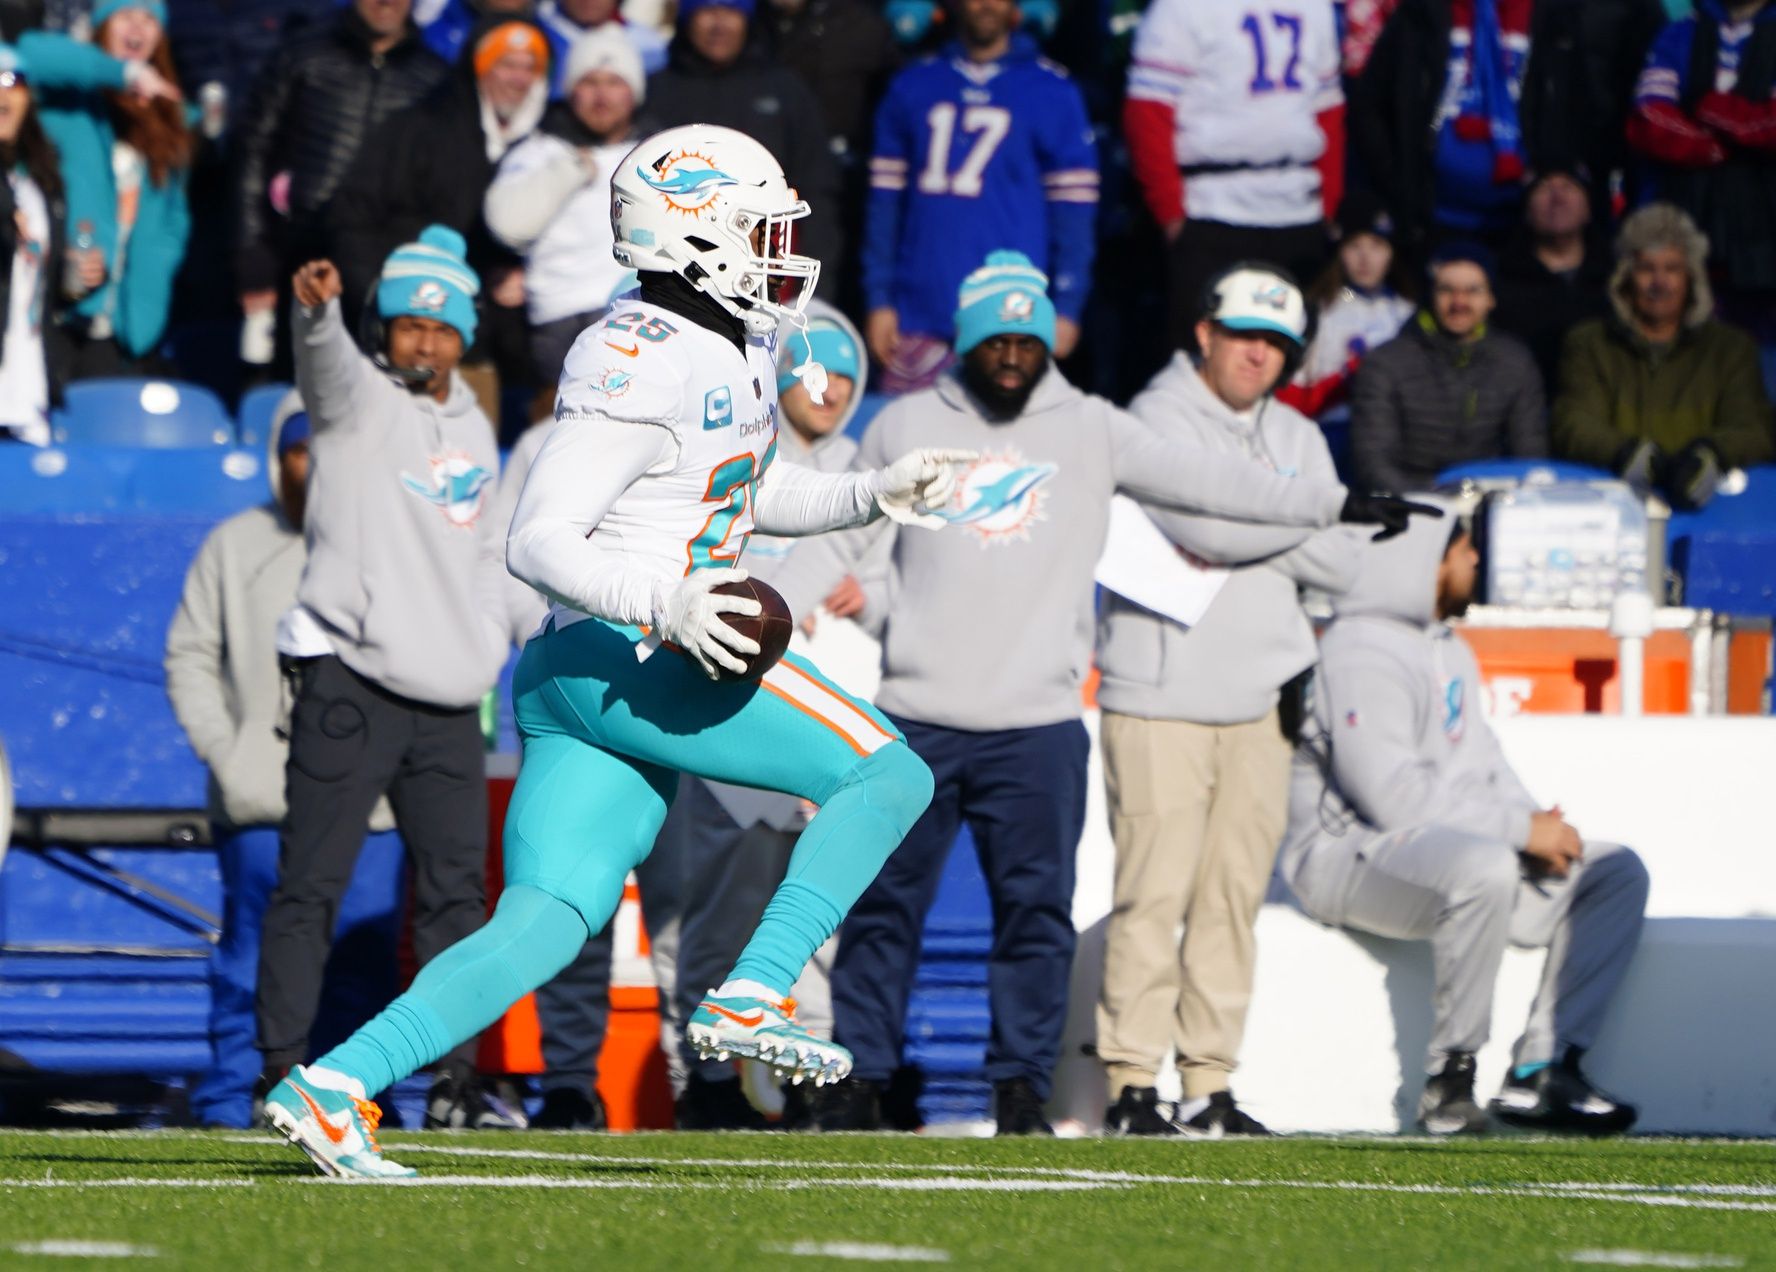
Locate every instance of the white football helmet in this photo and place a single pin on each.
(712, 204)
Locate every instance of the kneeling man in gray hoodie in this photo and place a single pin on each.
(1405, 820)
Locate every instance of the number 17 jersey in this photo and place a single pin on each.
(648, 365)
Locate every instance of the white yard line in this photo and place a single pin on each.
(1652, 1259)
(126, 1181)
(86, 1249)
(863, 1251)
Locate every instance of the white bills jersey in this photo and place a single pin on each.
(1246, 81)
(648, 365)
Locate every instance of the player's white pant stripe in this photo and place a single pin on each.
(801, 690)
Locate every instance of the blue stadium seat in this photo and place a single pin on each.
(257, 406)
(164, 414)
(107, 480)
(1494, 469)
(1727, 551)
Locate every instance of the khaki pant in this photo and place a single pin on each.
(1197, 812)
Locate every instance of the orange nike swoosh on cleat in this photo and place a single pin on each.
(334, 1133)
(756, 1018)
(630, 352)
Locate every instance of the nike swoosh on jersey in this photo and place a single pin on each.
(630, 352)
(332, 1132)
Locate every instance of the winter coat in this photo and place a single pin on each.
(229, 44)
(847, 53)
(318, 99)
(1583, 59)
(1614, 387)
(772, 105)
(139, 301)
(429, 164)
(1540, 307)
(221, 655)
(1423, 402)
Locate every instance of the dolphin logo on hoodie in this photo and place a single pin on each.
(455, 488)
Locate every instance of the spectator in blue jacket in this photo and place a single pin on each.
(981, 147)
(567, 20)
(125, 162)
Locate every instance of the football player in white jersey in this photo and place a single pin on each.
(638, 506)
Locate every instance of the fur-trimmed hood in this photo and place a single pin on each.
(1662, 225)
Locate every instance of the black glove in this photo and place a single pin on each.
(1641, 464)
(1694, 475)
(1390, 512)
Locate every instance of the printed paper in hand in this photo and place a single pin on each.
(1141, 565)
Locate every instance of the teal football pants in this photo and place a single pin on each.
(605, 733)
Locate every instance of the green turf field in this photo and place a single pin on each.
(245, 1202)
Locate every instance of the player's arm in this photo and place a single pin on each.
(793, 501)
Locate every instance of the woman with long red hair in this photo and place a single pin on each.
(125, 161)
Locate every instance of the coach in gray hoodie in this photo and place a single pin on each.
(986, 641)
(398, 632)
(222, 678)
(1405, 820)
(1196, 767)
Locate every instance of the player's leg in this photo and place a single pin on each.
(1590, 922)
(573, 1015)
(1025, 803)
(579, 820)
(878, 954)
(792, 731)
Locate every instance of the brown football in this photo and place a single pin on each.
(771, 627)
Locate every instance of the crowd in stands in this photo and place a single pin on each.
(1381, 237)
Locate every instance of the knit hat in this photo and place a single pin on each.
(295, 430)
(12, 62)
(826, 342)
(155, 9)
(606, 48)
(1463, 250)
(687, 7)
(510, 37)
(430, 279)
(1362, 213)
(1007, 295)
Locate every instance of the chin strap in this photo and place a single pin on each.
(810, 373)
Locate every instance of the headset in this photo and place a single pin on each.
(373, 340)
(1294, 354)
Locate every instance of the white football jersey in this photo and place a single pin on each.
(1245, 82)
(646, 364)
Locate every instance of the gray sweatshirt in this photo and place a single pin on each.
(221, 656)
(989, 621)
(1398, 740)
(405, 554)
(1227, 668)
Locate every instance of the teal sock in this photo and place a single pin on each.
(1524, 1072)
(531, 936)
(836, 858)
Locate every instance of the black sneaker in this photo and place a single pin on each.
(1137, 1111)
(569, 1109)
(1558, 1097)
(854, 1104)
(458, 1101)
(1221, 1117)
(717, 1105)
(1018, 1109)
(262, 1087)
(1447, 1106)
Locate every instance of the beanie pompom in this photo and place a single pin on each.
(445, 239)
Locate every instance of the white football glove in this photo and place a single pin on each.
(690, 616)
(913, 487)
